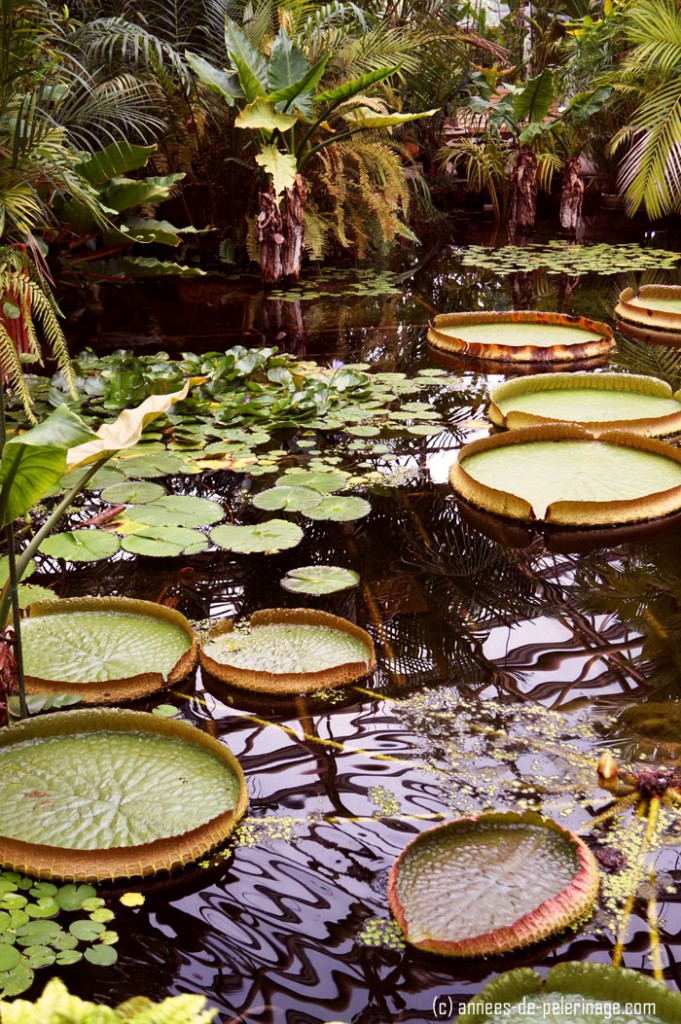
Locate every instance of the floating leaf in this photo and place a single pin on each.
(81, 545)
(274, 535)
(289, 651)
(143, 466)
(132, 493)
(72, 897)
(324, 481)
(101, 955)
(132, 899)
(340, 509)
(165, 542)
(170, 781)
(176, 510)
(446, 894)
(288, 499)
(319, 579)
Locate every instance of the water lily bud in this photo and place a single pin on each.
(607, 766)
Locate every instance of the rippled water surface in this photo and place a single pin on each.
(503, 672)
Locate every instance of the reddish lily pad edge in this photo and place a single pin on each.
(593, 982)
(548, 918)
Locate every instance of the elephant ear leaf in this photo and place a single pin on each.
(282, 167)
(213, 78)
(126, 430)
(250, 64)
(534, 101)
(33, 462)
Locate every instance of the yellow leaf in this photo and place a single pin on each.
(132, 899)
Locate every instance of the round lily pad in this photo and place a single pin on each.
(288, 499)
(564, 475)
(597, 401)
(586, 993)
(274, 535)
(134, 492)
(654, 306)
(111, 794)
(289, 651)
(81, 545)
(319, 579)
(165, 541)
(525, 336)
(491, 884)
(339, 509)
(105, 649)
(176, 510)
(140, 467)
(324, 481)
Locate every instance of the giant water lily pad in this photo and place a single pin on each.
(289, 651)
(110, 793)
(491, 884)
(574, 993)
(654, 306)
(597, 401)
(524, 336)
(564, 475)
(105, 649)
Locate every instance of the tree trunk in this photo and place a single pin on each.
(571, 196)
(281, 233)
(524, 191)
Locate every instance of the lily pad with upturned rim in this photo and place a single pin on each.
(178, 793)
(566, 476)
(319, 579)
(491, 884)
(593, 992)
(105, 649)
(655, 306)
(288, 651)
(597, 401)
(525, 336)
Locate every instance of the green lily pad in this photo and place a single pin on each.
(491, 884)
(72, 897)
(324, 481)
(319, 579)
(86, 930)
(10, 957)
(38, 933)
(289, 651)
(363, 430)
(81, 545)
(176, 510)
(288, 499)
(140, 467)
(339, 509)
(103, 648)
(574, 993)
(61, 774)
(274, 535)
(165, 542)
(40, 956)
(133, 492)
(16, 981)
(101, 955)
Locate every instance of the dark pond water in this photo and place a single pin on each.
(503, 672)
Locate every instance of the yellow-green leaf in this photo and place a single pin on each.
(262, 114)
(282, 167)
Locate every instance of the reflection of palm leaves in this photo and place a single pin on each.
(655, 360)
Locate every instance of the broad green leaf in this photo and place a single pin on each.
(144, 230)
(301, 93)
(102, 956)
(72, 896)
(220, 82)
(282, 166)
(288, 499)
(144, 466)
(125, 193)
(324, 481)
(261, 114)
(249, 62)
(165, 542)
(339, 509)
(534, 101)
(364, 117)
(16, 981)
(274, 535)
(148, 773)
(127, 267)
(33, 462)
(99, 646)
(126, 430)
(176, 510)
(132, 493)
(347, 90)
(288, 65)
(585, 105)
(113, 161)
(319, 579)
(4, 576)
(81, 545)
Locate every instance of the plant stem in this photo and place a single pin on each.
(47, 527)
(14, 591)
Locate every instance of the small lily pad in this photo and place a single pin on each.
(176, 510)
(274, 535)
(134, 492)
(324, 481)
(165, 542)
(339, 509)
(287, 499)
(319, 579)
(81, 545)
(101, 955)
